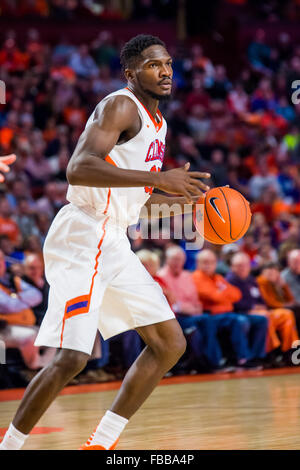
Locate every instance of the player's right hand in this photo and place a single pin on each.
(181, 181)
(4, 162)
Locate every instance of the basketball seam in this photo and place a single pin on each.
(211, 223)
(228, 213)
(245, 216)
(237, 237)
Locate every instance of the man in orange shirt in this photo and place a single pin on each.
(218, 296)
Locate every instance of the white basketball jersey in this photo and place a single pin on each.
(143, 152)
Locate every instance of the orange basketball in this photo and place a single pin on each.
(225, 217)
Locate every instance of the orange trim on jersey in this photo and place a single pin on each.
(81, 304)
(108, 201)
(157, 125)
(110, 160)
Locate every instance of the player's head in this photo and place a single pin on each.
(148, 66)
(207, 262)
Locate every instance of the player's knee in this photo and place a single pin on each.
(173, 348)
(71, 362)
(180, 345)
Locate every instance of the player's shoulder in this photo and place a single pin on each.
(118, 103)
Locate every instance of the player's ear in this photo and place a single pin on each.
(129, 75)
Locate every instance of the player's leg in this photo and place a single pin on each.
(41, 392)
(133, 300)
(165, 344)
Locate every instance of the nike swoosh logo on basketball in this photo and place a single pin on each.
(213, 204)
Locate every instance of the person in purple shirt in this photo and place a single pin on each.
(240, 277)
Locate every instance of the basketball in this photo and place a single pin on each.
(226, 216)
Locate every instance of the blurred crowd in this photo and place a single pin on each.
(69, 10)
(238, 304)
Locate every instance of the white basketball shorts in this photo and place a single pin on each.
(96, 282)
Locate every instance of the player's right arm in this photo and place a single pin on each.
(4, 164)
(87, 166)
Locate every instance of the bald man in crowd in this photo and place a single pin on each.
(188, 308)
(34, 275)
(291, 275)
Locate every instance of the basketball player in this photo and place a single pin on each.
(96, 281)
(4, 164)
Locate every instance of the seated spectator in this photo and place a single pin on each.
(151, 262)
(53, 199)
(82, 63)
(218, 297)
(188, 308)
(25, 218)
(291, 275)
(34, 275)
(17, 298)
(262, 181)
(11, 254)
(259, 52)
(274, 290)
(7, 225)
(281, 320)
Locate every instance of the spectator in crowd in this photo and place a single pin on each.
(261, 181)
(17, 298)
(182, 292)
(274, 290)
(34, 275)
(82, 63)
(291, 275)
(282, 330)
(259, 52)
(218, 297)
(7, 225)
(244, 129)
(151, 261)
(25, 218)
(12, 255)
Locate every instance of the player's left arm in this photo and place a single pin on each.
(160, 205)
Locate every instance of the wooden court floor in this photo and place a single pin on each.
(257, 410)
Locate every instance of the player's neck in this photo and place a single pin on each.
(151, 104)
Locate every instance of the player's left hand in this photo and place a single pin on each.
(4, 164)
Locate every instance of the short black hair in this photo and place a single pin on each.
(133, 48)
